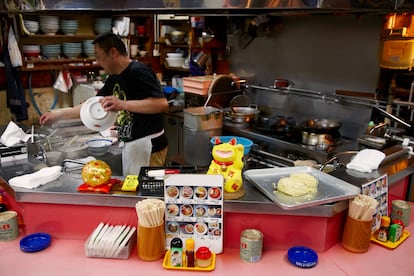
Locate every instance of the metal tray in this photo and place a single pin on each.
(330, 188)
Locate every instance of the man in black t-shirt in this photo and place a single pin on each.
(133, 90)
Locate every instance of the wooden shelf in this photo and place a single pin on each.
(59, 64)
(55, 39)
(177, 69)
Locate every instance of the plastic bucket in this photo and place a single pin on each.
(247, 143)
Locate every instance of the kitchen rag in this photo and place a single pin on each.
(13, 135)
(63, 82)
(366, 160)
(36, 179)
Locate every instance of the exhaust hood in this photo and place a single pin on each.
(219, 7)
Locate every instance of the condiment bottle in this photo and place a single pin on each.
(203, 257)
(189, 252)
(3, 207)
(176, 251)
(383, 231)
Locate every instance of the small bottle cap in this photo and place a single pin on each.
(189, 244)
(177, 243)
(203, 253)
(385, 221)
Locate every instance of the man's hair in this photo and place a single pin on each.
(110, 40)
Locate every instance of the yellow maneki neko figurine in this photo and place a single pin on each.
(228, 161)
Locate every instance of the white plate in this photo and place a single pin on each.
(94, 117)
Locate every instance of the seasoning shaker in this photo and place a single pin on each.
(176, 251)
(203, 257)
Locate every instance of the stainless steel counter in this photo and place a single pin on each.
(64, 190)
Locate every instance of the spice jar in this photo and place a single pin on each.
(203, 257)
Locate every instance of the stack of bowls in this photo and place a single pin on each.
(51, 50)
(72, 49)
(32, 26)
(175, 62)
(31, 51)
(103, 25)
(69, 26)
(88, 48)
(175, 59)
(49, 24)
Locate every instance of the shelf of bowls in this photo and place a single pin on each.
(52, 25)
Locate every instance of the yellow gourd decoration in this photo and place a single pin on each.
(228, 161)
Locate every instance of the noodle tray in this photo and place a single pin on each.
(330, 189)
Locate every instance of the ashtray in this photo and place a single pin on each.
(302, 256)
(35, 242)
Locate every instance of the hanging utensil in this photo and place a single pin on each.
(260, 26)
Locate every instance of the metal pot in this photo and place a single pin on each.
(313, 139)
(177, 37)
(242, 114)
(320, 126)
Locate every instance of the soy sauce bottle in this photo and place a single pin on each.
(189, 252)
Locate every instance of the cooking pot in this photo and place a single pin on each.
(321, 126)
(322, 141)
(242, 114)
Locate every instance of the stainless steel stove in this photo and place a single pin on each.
(273, 151)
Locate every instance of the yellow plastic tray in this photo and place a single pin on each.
(389, 244)
(209, 268)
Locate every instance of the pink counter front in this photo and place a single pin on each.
(280, 231)
(67, 257)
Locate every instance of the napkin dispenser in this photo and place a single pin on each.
(13, 155)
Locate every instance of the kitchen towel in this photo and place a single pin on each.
(36, 179)
(13, 135)
(366, 160)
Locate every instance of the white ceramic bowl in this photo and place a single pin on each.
(175, 62)
(94, 117)
(98, 146)
(175, 55)
(32, 26)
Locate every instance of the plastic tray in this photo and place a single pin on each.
(389, 244)
(209, 268)
(330, 189)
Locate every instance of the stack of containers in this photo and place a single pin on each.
(200, 124)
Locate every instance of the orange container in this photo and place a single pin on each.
(397, 54)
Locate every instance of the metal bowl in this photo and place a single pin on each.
(177, 37)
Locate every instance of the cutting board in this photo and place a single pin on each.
(198, 85)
